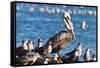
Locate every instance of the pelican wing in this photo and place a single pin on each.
(60, 40)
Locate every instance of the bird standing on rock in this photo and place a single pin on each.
(24, 44)
(87, 56)
(30, 45)
(40, 44)
(79, 48)
(74, 55)
(23, 49)
(39, 48)
(63, 38)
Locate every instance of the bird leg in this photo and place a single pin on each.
(59, 58)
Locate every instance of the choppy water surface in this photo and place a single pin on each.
(34, 23)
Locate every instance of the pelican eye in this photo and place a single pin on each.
(67, 17)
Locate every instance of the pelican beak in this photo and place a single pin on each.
(73, 34)
(70, 25)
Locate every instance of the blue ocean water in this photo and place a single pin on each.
(33, 24)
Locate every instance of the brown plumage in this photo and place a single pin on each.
(48, 49)
(63, 38)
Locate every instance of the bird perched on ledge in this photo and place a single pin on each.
(87, 55)
(63, 38)
(39, 48)
(48, 49)
(74, 55)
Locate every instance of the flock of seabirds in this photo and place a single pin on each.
(28, 55)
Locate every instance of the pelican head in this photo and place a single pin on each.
(68, 23)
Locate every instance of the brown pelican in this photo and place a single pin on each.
(87, 56)
(61, 39)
